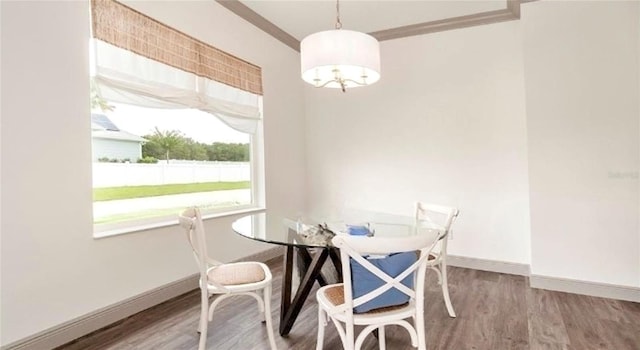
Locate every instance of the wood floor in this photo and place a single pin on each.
(495, 312)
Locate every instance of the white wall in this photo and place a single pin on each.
(581, 69)
(52, 268)
(484, 118)
(445, 124)
(115, 149)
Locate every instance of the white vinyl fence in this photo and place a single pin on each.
(133, 174)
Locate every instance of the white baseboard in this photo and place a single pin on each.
(602, 290)
(488, 265)
(595, 289)
(83, 325)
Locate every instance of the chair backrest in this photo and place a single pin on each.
(356, 248)
(429, 215)
(191, 221)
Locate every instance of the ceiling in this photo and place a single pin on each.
(290, 21)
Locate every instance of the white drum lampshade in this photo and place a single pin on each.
(340, 59)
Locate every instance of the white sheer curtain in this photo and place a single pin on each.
(123, 76)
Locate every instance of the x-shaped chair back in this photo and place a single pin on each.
(357, 247)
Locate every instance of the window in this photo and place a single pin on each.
(174, 123)
(149, 163)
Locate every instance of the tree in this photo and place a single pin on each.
(168, 141)
(191, 150)
(165, 144)
(231, 152)
(152, 149)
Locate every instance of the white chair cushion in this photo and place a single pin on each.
(234, 274)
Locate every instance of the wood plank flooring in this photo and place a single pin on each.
(495, 312)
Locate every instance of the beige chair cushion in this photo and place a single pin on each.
(234, 274)
(335, 295)
(432, 255)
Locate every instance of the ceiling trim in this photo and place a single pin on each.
(514, 6)
(511, 12)
(475, 19)
(243, 11)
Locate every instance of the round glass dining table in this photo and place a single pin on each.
(310, 242)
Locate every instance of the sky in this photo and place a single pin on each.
(200, 126)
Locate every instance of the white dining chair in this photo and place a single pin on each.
(427, 216)
(225, 279)
(336, 302)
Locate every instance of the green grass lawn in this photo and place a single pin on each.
(127, 192)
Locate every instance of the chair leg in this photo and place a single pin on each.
(202, 325)
(445, 290)
(267, 317)
(418, 321)
(322, 323)
(349, 336)
(382, 342)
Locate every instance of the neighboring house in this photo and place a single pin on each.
(110, 142)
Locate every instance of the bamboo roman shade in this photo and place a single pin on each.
(131, 30)
(139, 61)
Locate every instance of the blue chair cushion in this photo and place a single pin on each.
(363, 281)
(358, 230)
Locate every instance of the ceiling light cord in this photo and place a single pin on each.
(338, 23)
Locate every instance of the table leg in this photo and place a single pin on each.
(285, 300)
(289, 311)
(334, 254)
(306, 260)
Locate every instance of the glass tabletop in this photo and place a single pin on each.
(308, 233)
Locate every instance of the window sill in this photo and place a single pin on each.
(134, 228)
